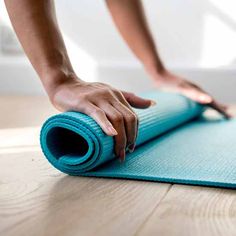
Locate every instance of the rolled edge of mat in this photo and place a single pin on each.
(74, 143)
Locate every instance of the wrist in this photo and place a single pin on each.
(155, 67)
(155, 70)
(55, 78)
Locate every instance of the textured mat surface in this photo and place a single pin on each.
(171, 146)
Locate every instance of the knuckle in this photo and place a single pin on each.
(116, 91)
(132, 118)
(104, 93)
(118, 118)
(80, 105)
(96, 112)
(83, 97)
(116, 102)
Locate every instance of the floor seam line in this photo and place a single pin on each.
(153, 210)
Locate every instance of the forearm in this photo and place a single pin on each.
(36, 26)
(37, 29)
(130, 19)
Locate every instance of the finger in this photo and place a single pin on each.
(132, 147)
(224, 106)
(131, 120)
(200, 96)
(138, 102)
(121, 98)
(131, 123)
(207, 99)
(221, 109)
(117, 120)
(100, 117)
(196, 95)
(131, 139)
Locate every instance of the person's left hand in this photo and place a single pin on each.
(171, 82)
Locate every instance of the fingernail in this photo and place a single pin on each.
(205, 98)
(112, 131)
(153, 103)
(122, 156)
(131, 147)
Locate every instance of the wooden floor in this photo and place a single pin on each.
(36, 199)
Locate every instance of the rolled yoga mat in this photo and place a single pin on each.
(173, 145)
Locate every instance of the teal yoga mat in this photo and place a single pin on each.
(174, 144)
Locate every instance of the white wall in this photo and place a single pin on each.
(195, 38)
(189, 33)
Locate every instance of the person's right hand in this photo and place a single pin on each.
(109, 107)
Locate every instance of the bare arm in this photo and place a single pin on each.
(36, 26)
(130, 20)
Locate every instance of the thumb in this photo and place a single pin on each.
(138, 102)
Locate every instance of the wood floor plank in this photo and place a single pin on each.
(36, 199)
(193, 210)
(24, 111)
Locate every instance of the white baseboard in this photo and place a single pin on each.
(221, 83)
(20, 78)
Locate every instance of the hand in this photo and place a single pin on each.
(109, 107)
(175, 83)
